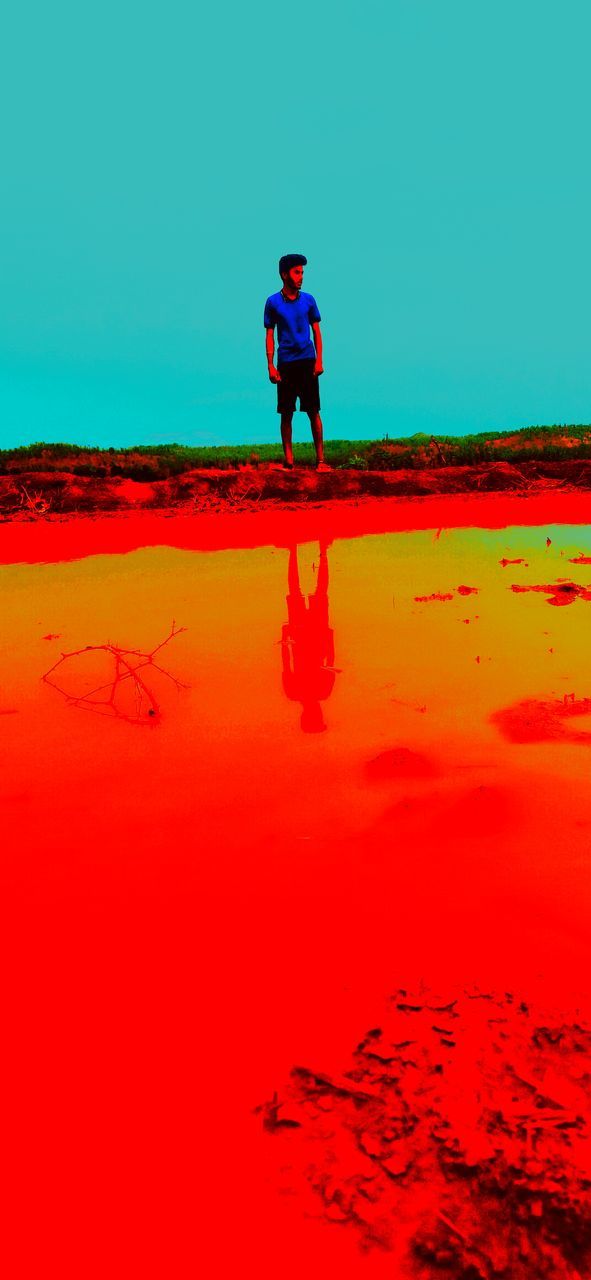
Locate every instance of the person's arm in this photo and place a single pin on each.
(317, 336)
(274, 373)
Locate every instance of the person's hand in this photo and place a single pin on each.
(317, 370)
(274, 374)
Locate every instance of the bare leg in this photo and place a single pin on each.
(293, 575)
(316, 425)
(322, 579)
(286, 437)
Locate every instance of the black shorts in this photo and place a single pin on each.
(297, 379)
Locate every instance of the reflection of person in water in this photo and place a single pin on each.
(307, 645)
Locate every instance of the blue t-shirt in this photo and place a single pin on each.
(293, 320)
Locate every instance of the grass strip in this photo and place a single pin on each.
(161, 461)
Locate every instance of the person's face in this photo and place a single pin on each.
(294, 277)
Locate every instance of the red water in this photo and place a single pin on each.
(220, 857)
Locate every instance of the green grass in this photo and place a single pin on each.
(149, 462)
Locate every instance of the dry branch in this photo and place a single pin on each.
(35, 502)
(127, 665)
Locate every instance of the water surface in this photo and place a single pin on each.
(356, 762)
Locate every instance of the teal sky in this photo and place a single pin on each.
(429, 158)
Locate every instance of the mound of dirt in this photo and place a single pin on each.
(400, 762)
(457, 1137)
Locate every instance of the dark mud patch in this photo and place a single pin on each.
(558, 593)
(456, 1137)
(535, 720)
(400, 762)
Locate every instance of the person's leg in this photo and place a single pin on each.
(293, 573)
(310, 402)
(316, 425)
(322, 579)
(286, 438)
(286, 403)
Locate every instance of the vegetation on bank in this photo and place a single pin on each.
(161, 461)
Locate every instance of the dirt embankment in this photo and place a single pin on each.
(37, 493)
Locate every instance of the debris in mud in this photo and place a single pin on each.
(535, 720)
(272, 1121)
(503, 563)
(125, 693)
(421, 707)
(436, 595)
(558, 593)
(34, 503)
(447, 595)
(580, 559)
(458, 1136)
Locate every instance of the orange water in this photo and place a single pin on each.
(197, 899)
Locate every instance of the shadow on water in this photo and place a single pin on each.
(307, 644)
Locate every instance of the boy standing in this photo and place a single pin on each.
(299, 357)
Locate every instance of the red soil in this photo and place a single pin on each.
(35, 493)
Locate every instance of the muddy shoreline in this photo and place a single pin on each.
(31, 495)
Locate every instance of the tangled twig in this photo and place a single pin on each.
(128, 663)
(35, 502)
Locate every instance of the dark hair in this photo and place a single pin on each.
(290, 260)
